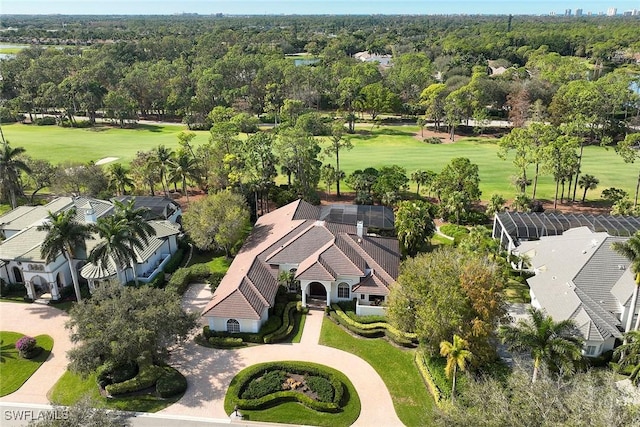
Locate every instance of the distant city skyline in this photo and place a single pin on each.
(314, 7)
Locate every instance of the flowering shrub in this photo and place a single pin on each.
(26, 346)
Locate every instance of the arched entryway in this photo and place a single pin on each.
(317, 290)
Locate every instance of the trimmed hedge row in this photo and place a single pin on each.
(288, 323)
(436, 366)
(240, 382)
(171, 383)
(226, 342)
(147, 377)
(427, 378)
(277, 328)
(373, 330)
(182, 277)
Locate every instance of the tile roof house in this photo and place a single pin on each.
(331, 261)
(21, 262)
(578, 276)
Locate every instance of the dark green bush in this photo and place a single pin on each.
(147, 377)
(45, 121)
(322, 387)
(302, 368)
(270, 382)
(600, 361)
(436, 366)
(288, 323)
(171, 383)
(432, 140)
(225, 342)
(173, 263)
(182, 277)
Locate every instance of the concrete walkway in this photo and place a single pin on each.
(210, 371)
(38, 319)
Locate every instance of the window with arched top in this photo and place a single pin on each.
(343, 290)
(233, 325)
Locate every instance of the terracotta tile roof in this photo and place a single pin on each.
(321, 250)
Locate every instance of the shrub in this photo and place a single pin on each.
(373, 330)
(426, 377)
(45, 121)
(322, 387)
(238, 385)
(171, 383)
(225, 342)
(173, 263)
(270, 382)
(182, 277)
(432, 140)
(109, 373)
(435, 366)
(288, 322)
(453, 230)
(27, 347)
(214, 280)
(147, 377)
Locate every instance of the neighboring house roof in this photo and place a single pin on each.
(26, 216)
(580, 277)
(321, 250)
(159, 207)
(528, 226)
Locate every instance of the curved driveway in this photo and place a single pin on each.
(38, 319)
(209, 371)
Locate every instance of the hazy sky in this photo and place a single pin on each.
(262, 7)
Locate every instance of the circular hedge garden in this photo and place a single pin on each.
(293, 392)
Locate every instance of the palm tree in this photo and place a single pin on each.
(162, 156)
(457, 356)
(116, 243)
(119, 178)
(139, 228)
(588, 182)
(556, 344)
(629, 354)
(181, 169)
(631, 250)
(64, 234)
(420, 177)
(10, 167)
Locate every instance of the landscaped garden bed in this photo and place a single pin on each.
(321, 393)
(18, 364)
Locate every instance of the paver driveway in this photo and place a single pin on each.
(38, 319)
(209, 371)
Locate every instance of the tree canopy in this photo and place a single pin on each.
(118, 323)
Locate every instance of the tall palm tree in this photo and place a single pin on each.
(119, 178)
(116, 243)
(10, 167)
(139, 228)
(184, 168)
(556, 344)
(162, 156)
(457, 356)
(629, 353)
(631, 250)
(64, 234)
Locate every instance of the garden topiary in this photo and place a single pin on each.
(27, 347)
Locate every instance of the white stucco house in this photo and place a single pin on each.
(577, 274)
(331, 261)
(21, 262)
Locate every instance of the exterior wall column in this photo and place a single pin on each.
(328, 290)
(303, 288)
(31, 292)
(53, 287)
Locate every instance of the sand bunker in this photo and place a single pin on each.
(106, 160)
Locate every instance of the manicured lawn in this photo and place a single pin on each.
(296, 413)
(381, 146)
(517, 292)
(396, 145)
(59, 144)
(14, 370)
(217, 263)
(411, 400)
(72, 387)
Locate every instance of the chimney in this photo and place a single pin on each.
(360, 228)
